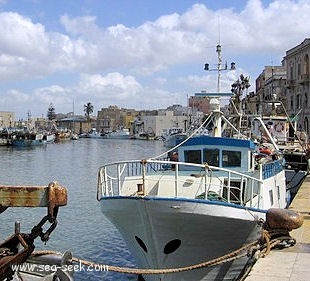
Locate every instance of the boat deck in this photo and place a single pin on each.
(291, 264)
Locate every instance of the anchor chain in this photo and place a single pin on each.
(17, 248)
(37, 230)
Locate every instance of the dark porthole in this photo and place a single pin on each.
(141, 243)
(140, 278)
(172, 246)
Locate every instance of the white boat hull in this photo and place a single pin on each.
(168, 233)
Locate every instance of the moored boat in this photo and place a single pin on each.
(173, 136)
(27, 139)
(49, 137)
(144, 136)
(280, 134)
(207, 200)
(5, 137)
(94, 134)
(203, 206)
(62, 134)
(123, 133)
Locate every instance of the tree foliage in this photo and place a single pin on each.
(51, 115)
(88, 109)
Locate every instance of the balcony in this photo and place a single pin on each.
(304, 79)
(290, 84)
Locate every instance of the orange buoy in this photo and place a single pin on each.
(265, 151)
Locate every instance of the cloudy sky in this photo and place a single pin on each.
(142, 54)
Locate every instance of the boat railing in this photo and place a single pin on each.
(238, 188)
(272, 168)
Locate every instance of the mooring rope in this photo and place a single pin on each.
(263, 246)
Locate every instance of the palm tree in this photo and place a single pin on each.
(237, 89)
(51, 115)
(88, 109)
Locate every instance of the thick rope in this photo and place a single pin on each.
(226, 258)
(264, 245)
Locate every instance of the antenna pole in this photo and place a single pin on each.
(219, 67)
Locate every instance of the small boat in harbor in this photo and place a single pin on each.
(123, 133)
(49, 137)
(5, 137)
(27, 139)
(94, 134)
(173, 136)
(74, 136)
(144, 136)
(62, 134)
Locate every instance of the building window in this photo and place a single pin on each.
(292, 102)
(306, 125)
(306, 65)
(299, 69)
(297, 101)
(291, 73)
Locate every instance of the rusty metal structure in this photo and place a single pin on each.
(17, 248)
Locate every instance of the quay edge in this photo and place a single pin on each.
(290, 264)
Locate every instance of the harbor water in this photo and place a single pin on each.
(81, 229)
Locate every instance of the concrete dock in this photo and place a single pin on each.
(290, 264)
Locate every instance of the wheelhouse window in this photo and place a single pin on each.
(211, 156)
(192, 156)
(231, 158)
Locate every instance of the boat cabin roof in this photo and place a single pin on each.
(218, 151)
(219, 141)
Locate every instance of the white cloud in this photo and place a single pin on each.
(118, 62)
(114, 88)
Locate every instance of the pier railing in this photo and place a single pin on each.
(133, 178)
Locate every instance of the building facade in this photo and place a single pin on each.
(7, 119)
(269, 88)
(298, 84)
(113, 118)
(200, 101)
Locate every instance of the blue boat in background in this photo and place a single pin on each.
(26, 139)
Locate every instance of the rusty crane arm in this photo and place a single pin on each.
(17, 248)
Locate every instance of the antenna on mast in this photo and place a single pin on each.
(219, 29)
(219, 67)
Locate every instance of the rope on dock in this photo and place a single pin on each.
(257, 249)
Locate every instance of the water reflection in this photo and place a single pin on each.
(81, 228)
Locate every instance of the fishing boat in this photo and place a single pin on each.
(209, 202)
(173, 136)
(144, 136)
(118, 134)
(62, 134)
(275, 132)
(278, 132)
(199, 201)
(49, 137)
(94, 134)
(27, 139)
(5, 137)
